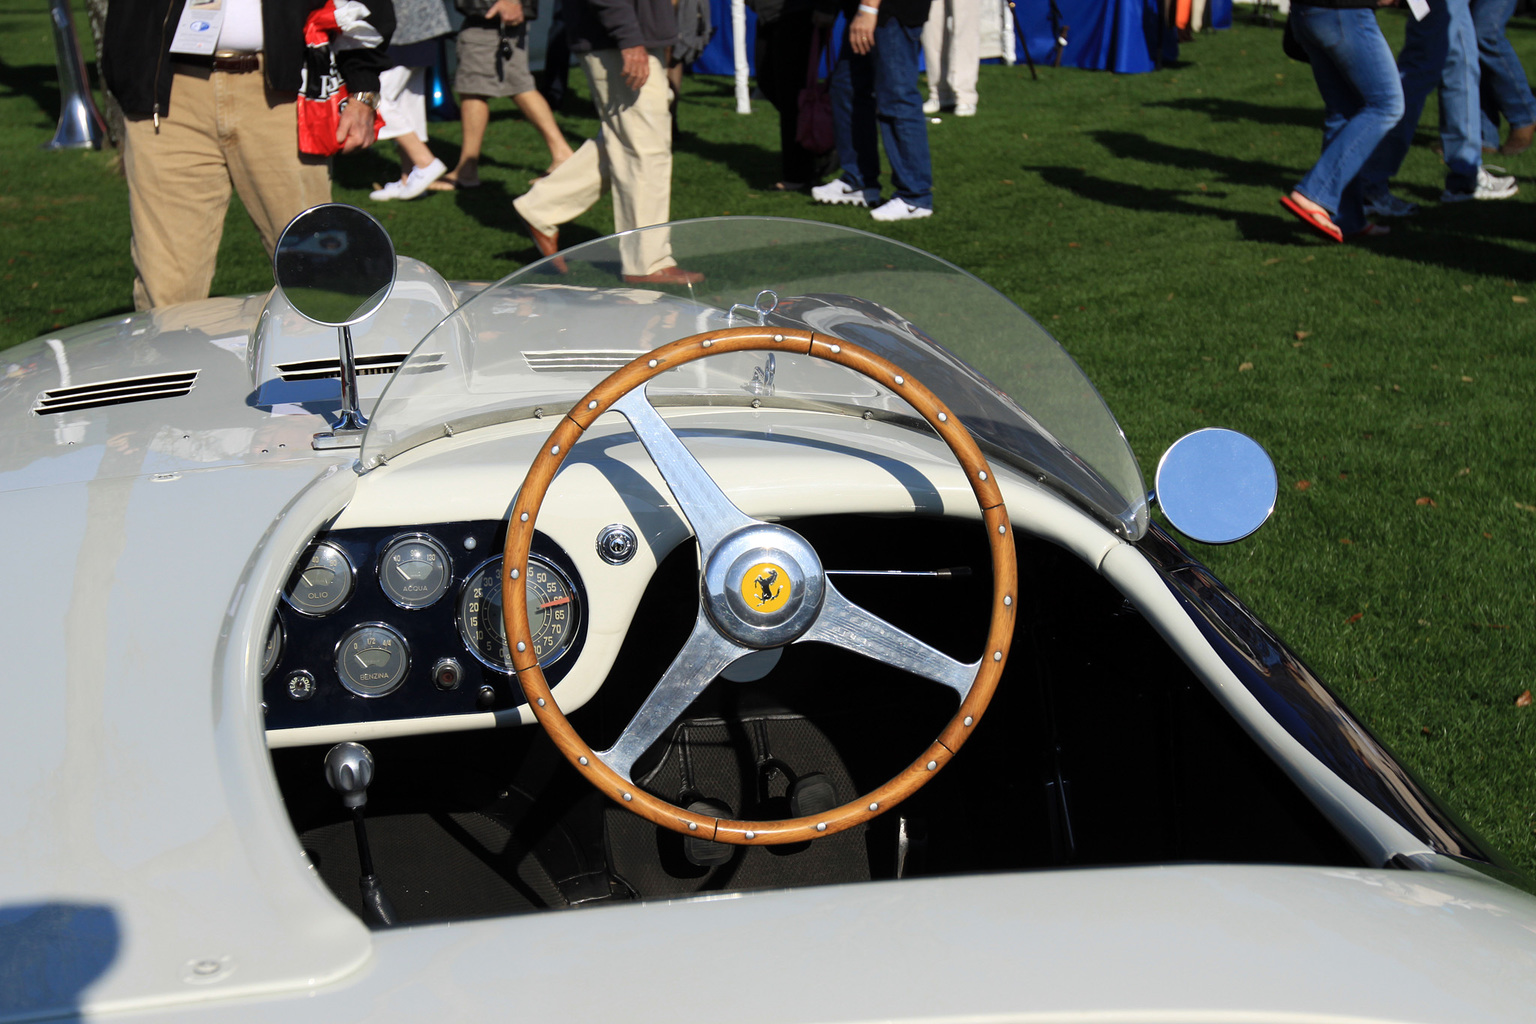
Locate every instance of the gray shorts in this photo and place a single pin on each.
(477, 76)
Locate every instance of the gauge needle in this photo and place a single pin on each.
(551, 604)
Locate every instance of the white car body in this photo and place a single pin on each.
(150, 870)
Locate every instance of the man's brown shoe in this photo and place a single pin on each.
(666, 275)
(547, 245)
(1519, 140)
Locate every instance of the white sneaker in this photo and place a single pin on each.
(420, 177)
(965, 110)
(900, 209)
(1489, 186)
(840, 193)
(389, 191)
(931, 105)
(1389, 205)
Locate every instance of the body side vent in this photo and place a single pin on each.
(115, 392)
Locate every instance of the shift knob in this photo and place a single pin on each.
(349, 770)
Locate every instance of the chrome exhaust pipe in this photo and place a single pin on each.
(80, 124)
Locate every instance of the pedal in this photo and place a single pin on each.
(706, 853)
(810, 795)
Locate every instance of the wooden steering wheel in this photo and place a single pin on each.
(762, 586)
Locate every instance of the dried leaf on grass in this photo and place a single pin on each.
(1524, 700)
(1302, 485)
(1354, 618)
(1426, 501)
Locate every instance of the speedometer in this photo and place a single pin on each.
(553, 613)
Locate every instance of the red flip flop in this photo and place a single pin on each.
(1317, 220)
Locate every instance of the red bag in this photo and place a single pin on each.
(813, 130)
(322, 93)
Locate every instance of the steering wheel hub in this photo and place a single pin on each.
(763, 586)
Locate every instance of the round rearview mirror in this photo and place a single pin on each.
(1216, 486)
(334, 264)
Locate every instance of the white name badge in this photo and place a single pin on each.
(198, 30)
(1419, 8)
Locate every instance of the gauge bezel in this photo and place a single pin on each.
(572, 631)
(405, 647)
(351, 581)
(267, 668)
(419, 538)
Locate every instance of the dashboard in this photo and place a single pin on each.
(385, 623)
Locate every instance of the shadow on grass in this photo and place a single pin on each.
(1129, 145)
(40, 82)
(1243, 112)
(756, 166)
(1424, 241)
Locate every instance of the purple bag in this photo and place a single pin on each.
(813, 130)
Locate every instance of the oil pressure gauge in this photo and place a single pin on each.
(325, 582)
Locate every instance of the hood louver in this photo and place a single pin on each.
(596, 360)
(115, 392)
(320, 369)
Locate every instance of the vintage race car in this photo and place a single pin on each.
(807, 629)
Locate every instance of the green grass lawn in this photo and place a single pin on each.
(1136, 217)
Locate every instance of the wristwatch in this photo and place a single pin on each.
(370, 98)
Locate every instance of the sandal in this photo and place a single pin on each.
(1371, 230)
(1318, 220)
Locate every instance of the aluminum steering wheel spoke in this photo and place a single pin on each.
(852, 627)
(702, 658)
(711, 514)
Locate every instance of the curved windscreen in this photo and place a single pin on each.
(535, 342)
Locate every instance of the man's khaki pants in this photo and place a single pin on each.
(632, 152)
(223, 130)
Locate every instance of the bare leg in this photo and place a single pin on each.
(474, 114)
(536, 109)
(413, 153)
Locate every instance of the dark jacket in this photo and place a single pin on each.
(136, 53)
(619, 24)
(908, 12)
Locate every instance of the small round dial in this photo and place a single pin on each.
(415, 571)
(324, 583)
(372, 660)
(274, 648)
(553, 613)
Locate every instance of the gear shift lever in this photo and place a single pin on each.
(349, 770)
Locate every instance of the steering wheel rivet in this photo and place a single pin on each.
(821, 826)
(1002, 529)
(584, 761)
(943, 417)
(707, 342)
(933, 766)
(651, 364)
(555, 450)
(628, 797)
(836, 349)
(899, 381)
(1007, 600)
(523, 518)
(874, 807)
(751, 835)
(515, 573)
(592, 404)
(997, 655)
(521, 647)
(969, 721)
(778, 337)
(541, 702)
(982, 474)
(693, 826)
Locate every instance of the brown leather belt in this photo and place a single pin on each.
(234, 64)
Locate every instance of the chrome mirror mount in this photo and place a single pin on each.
(1216, 485)
(336, 265)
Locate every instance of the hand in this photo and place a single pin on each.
(509, 11)
(354, 129)
(637, 66)
(861, 32)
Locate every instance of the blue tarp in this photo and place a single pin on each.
(1113, 35)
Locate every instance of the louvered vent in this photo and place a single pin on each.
(115, 392)
(320, 369)
(600, 360)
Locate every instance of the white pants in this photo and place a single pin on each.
(952, 50)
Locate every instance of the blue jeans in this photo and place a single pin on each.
(880, 88)
(1505, 89)
(1440, 50)
(1362, 102)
